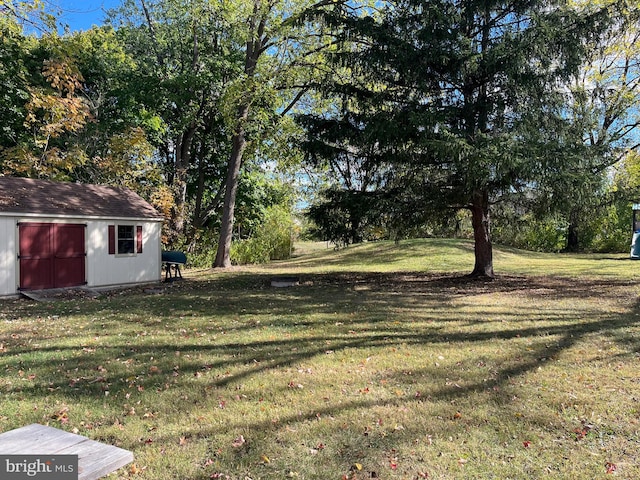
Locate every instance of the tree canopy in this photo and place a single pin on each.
(412, 111)
(464, 102)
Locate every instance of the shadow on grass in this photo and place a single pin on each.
(340, 308)
(326, 315)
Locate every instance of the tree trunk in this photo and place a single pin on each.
(179, 181)
(255, 47)
(482, 235)
(573, 239)
(223, 255)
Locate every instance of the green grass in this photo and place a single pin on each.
(386, 362)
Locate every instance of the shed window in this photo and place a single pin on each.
(125, 239)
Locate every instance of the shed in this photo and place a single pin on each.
(58, 235)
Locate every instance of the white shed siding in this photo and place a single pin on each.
(104, 269)
(8, 256)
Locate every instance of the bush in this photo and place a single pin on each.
(546, 235)
(530, 233)
(201, 251)
(614, 233)
(272, 240)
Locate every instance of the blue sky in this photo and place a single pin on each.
(81, 14)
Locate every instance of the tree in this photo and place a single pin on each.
(53, 111)
(603, 111)
(281, 47)
(19, 15)
(14, 82)
(186, 58)
(461, 97)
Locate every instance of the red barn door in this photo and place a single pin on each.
(52, 255)
(68, 264)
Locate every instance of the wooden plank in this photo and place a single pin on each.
(46, 440)
(95, 459)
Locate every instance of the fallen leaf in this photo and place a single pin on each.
(265, 459)
(238, 442)
(62, 415)
(183, 441)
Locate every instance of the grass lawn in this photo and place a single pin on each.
(386, 362)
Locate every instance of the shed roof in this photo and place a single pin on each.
(44, 197)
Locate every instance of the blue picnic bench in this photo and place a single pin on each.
(172, 259)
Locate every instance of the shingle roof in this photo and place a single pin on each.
(27, 195)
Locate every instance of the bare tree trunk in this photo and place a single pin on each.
(223, 255)
(482, 235)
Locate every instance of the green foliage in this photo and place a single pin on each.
(544, 235)
(613, 231)
(604, 230)
(345, 217)
(202, 250)
(15, 52)
(478, 118)
(19, 15)
(271, 240)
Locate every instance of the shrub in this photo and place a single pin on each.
(271, 240)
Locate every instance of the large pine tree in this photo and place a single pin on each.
(459, 98)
